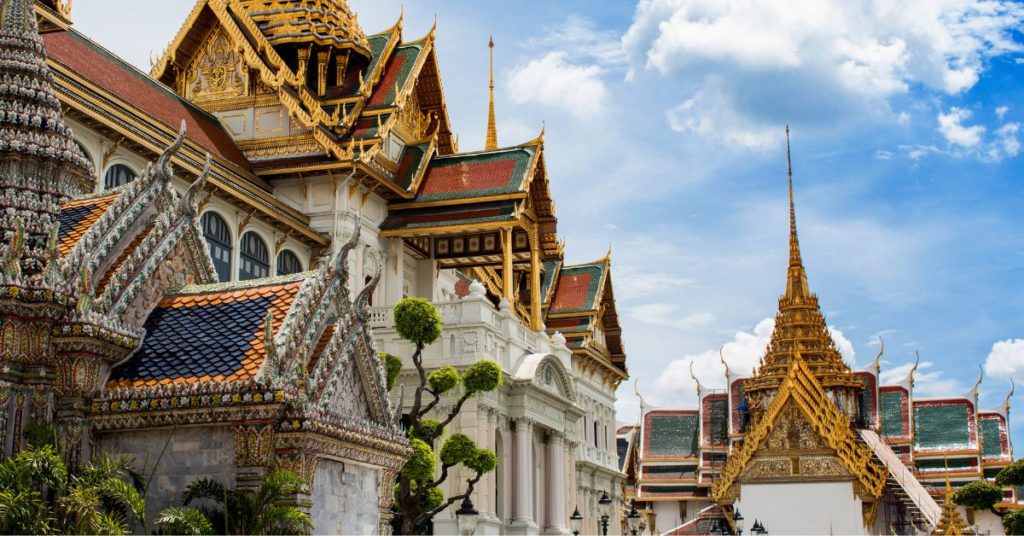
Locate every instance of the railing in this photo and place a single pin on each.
(902, 476)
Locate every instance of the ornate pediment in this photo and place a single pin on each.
(793, 451)
(217, 72)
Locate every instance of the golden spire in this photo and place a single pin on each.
(800, 330)
(796, 280)
(492, 126)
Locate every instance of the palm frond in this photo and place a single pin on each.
(109, 523)
(24, 512)
(184, 520)
(278, 485)
(205, 488)
(126, 496)
(285, 520)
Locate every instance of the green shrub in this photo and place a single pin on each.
(457, 449)
(392, 368)
(443, 379)
(420, 466)
(417, 321)
(980, 495)
(482, 376)
(1012, 475)
(1013, 522)
(482, 461)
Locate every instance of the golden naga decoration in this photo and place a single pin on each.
(801, 387)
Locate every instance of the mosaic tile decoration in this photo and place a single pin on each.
(942, 426)
(893, 405)
(993, 437)
(671, 435)
(716, 420)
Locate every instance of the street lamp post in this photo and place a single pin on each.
(758, 529)
(633, 519)
(467, 518)
(576, 522)
(604, 505)
(737, 521)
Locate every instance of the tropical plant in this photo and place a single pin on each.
(40, 495)
(1011, 475)
(1013, 523)
(980, 495)
(418, 493)
(210, 507)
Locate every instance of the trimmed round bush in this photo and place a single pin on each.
(457, 449)
(392, 368)
(432, 498)
(443, 379)
(482, 461)
(417, 321)
(427, 429)
(980, 495)
(1013, 522)
(420, 466)
(482, 376)
(1012, 475)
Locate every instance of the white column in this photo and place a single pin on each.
(556, 518)
(522, 495)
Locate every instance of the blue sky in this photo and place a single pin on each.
(665, 138)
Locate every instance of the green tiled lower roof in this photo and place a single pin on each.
(991, 442)
(954, 464)
(409, 165)
(941, 426)
(718, 421)
(479, 174)
(891, 413)
(447, 216)
(672, 435)
(576, 289)
(396, 74)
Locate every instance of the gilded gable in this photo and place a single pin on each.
(217, 73)
(794, 451)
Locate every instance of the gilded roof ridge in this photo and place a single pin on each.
(242, 285)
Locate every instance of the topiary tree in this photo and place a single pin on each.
(1011, 475)
(980, 495)
(418, 495)
(1013, 523)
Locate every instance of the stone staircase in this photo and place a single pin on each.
(920, 506)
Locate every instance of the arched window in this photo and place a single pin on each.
(218, 239)
(117, 175)
(255, 258)
(288, 263)
(366, 281)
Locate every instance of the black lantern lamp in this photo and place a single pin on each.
(576, 522)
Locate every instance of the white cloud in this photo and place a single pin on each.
(631, 283)
(552, 81)
(709, 114)
(1007, 142)
(952, 128)
(811, 62)
(581, 37)
(883, 155)
(926, 382)
(668, 315)
(674, 387)
(1001, 112)
(1006, 359)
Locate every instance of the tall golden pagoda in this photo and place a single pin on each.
(800, 330)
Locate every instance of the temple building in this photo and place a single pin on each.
(807, 445)
(198, 265)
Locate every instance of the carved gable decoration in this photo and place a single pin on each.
(793, 451)
(218, 71)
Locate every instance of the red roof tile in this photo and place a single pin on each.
(102, 68)
(468, 176)
(571, 292)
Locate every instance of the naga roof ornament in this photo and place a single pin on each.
(41, 166)
(800, 327)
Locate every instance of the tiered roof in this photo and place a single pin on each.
(800, 326)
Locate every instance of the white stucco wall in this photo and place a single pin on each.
(802, 508)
